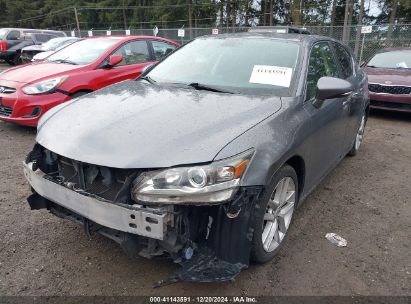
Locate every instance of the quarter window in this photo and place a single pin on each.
(344, 58)
(321, 64)
(133, 52)
(13, 35)
(162, 49)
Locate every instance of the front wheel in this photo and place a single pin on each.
(274, 215)
(359, 136)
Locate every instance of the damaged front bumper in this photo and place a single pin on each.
(212, 243)
(126, 218)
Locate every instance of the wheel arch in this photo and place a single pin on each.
(298, 164)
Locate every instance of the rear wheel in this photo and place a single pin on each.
(274, 215)
(17, 60)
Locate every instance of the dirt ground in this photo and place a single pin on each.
(366, 199)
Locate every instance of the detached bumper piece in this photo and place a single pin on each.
(212, 243)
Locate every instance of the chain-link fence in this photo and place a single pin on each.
(364, 46)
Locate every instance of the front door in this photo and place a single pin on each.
(329, 121)
(136, 56)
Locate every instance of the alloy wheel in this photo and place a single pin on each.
(360, 133)
(278, 214)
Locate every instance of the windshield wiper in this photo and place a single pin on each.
(68, 62)
(199, 86)
(63, 61)
(148, 79)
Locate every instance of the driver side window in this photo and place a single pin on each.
(13, 35)
(321, 64)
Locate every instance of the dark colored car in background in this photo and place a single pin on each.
(389, 79)
(12, 40)
(39, 52)
(29, 91)
(206, 156)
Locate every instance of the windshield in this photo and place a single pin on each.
(255, 65)
(83, 52)
(394, 60)
(3, 34)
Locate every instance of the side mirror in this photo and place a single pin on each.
(113, 60)
(330, 87)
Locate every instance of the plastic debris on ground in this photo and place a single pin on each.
(336, 239)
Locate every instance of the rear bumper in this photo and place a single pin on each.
(401, 103)
(27, 109)
(131, 220)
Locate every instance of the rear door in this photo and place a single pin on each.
(328, 121)
(355, 102)
(161, 49)
(136, 56)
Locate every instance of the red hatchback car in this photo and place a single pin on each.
(389, 79)
(28, 91)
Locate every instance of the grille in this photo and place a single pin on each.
(6, 90)
(399, 90)
(5, 111)
(391, 105)
(103, 182)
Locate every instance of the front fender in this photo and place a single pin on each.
(275, 140)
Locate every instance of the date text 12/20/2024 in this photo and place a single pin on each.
(233, 299)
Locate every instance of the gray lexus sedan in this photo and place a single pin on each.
(205, 157)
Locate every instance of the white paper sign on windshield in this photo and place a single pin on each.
(273, 75)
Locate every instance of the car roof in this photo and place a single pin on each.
(132, 37)
(272, 35)
(28, 29)
(395, 49)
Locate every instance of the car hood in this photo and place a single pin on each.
(137, 125)
(42, 55)
(399, 77)
(34, 72)
(34, 47)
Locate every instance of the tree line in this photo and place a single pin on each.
(117, 14)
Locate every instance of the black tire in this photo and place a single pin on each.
(17, 59)
(258, 254)
(9, 61)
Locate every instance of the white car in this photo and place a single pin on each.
(39, 52)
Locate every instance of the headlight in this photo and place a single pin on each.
(44, 86)
(213, 183)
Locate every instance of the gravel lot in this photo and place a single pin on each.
(366, 199)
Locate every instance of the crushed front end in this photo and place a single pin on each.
(199, 216)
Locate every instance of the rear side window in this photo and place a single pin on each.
(13, 35)
(321, 64)
(162, 49)
(344, 58)
(133, 52)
